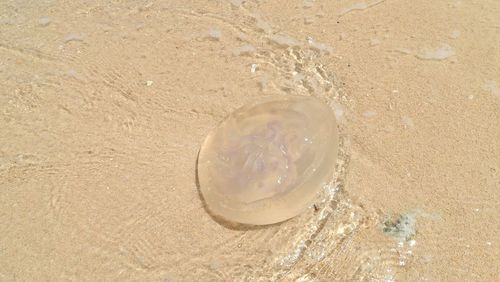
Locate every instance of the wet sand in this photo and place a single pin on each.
(103, 108)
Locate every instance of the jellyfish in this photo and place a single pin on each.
(266, 161)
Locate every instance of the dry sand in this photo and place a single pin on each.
(104, 104)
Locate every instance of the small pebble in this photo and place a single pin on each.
(253, 67)
(149, 83)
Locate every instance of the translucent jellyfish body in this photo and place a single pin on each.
(267, 160)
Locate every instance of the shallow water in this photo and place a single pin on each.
(104, 107)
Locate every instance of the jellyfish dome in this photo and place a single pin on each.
(266, 161)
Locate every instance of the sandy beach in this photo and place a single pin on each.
(104, 106)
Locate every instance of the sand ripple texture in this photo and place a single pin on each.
(103, 110)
